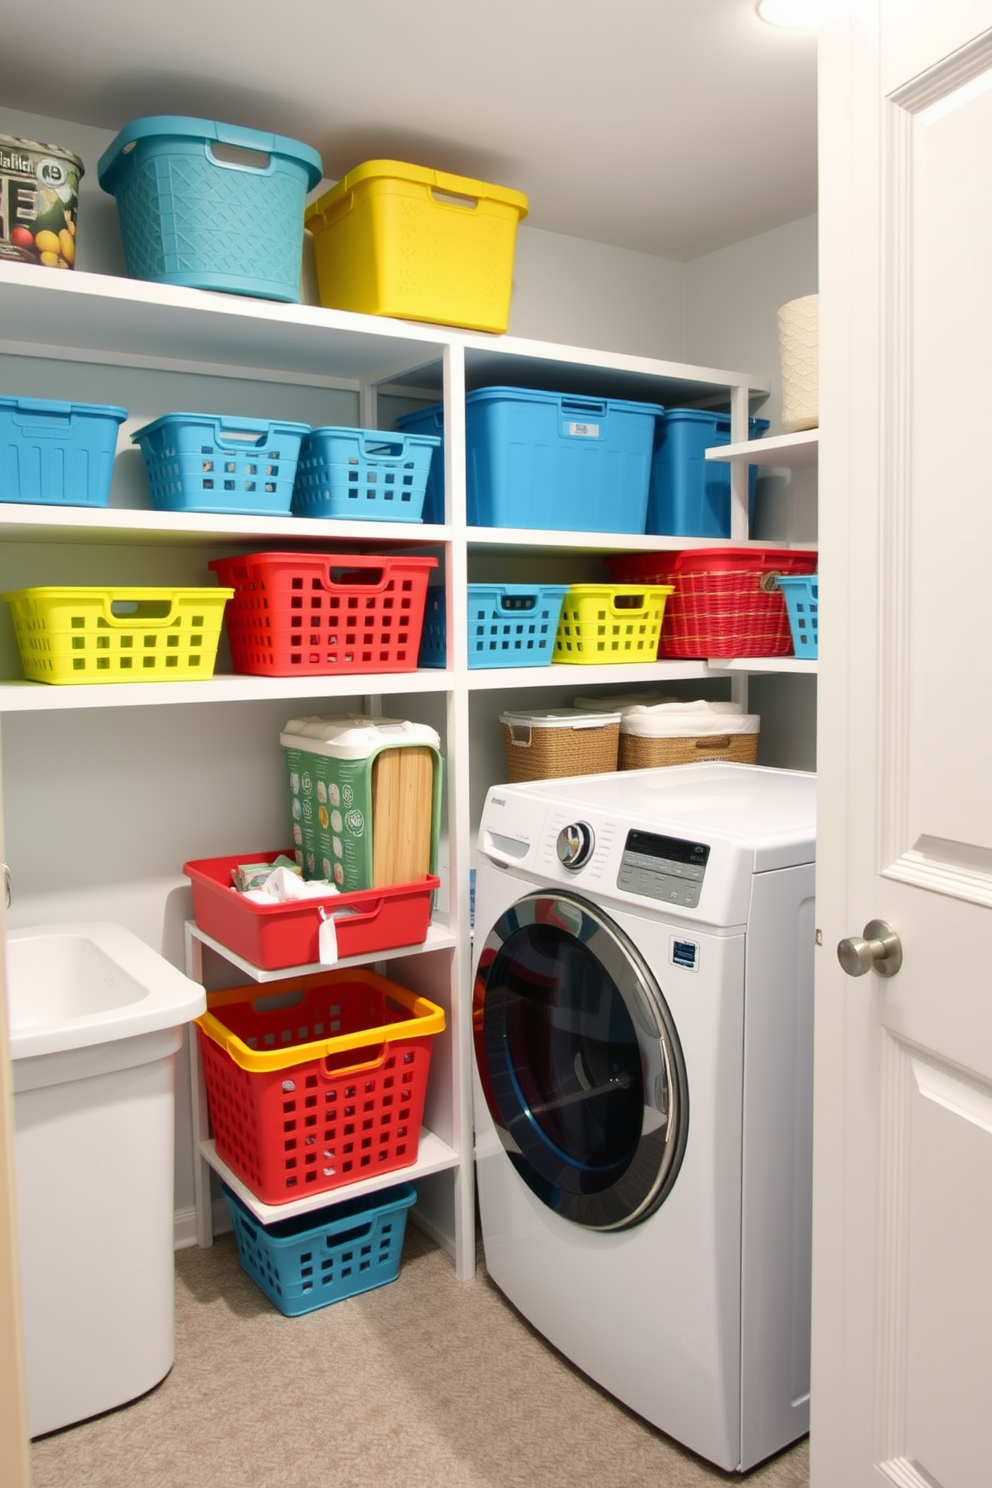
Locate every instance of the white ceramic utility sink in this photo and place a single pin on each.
(70, 986)
(96, 1021)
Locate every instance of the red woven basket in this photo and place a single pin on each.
(316, 1083)
(726, 601)
(295, 614)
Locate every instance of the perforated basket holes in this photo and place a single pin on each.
(216, 469)
(342, 1132)
(351, 627)
(104, 648)
(517, 624)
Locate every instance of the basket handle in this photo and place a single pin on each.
(383, 448)
(628, 602)
(338, 574)
(516, 604)
(768, 583)
(461, 200)
(715, 743)
(596, 406)
(334, 211)
(155, 612)
(334, 1065)
(241, 150)
(241, 437)
(519, 734)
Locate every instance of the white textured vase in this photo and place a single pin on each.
(799, 348)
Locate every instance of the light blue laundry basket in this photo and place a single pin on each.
(211, 206)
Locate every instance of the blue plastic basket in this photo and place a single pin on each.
(200, 462)
(210, 205)
(57, 454)
(553, 460)
(509, 625)
(690, 495)
(315, 1259)
(802, 600)
(363, 474)
(430, 421)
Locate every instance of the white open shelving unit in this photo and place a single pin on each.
(85, 336)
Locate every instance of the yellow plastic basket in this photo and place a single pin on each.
(395, 239)
(117, 635)
(611, 623)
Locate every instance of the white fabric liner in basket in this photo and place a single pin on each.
(688, 720)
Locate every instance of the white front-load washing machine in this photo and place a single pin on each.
(642, 1020)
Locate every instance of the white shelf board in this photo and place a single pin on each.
(439, 938)
(99, 317)
(602, 542)
(602, 374)
(764, 664)
(579, 677)
(39, 697)
(788, 451)
(27, 523)
(433, 1156)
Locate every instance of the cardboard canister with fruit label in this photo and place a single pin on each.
(39, 196)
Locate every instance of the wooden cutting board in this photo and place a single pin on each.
(402, 810)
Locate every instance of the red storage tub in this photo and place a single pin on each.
(726, 601)
(275, 936)
(317, 1082)
(320, 614)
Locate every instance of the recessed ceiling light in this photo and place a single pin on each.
(798, 15)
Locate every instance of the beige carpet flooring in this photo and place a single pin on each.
(427, 1382)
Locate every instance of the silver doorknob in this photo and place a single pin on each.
(880, 950)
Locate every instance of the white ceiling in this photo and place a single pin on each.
(673, 127)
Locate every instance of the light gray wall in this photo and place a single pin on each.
(732, 299)
(589, 294)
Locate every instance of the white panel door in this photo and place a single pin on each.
(902, 1359)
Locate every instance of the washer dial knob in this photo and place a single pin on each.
(575, 845)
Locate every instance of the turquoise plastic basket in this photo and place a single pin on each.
(57, 454)
(315, 1259)
(211, 206)
(363, 474)
(509, 625)
(802, 601)
(197, 462)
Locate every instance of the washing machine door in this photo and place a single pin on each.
(579, 1061)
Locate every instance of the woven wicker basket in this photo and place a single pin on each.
(534, 752)
(639, 753)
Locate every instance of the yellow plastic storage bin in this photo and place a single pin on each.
(117, 635)
(394, 239)
(603, 623)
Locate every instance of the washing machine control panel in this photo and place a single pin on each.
(575, 845)
(667, 868)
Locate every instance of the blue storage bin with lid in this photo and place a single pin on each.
(201, 462)
(690, 495)
(57, 454)
(363, 474)
(211, 205)
(558, 461)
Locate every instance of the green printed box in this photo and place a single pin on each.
(364, 798)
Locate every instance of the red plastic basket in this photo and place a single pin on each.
(318, 1082)
(275, 936)
(726, 601)
(295, 614)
